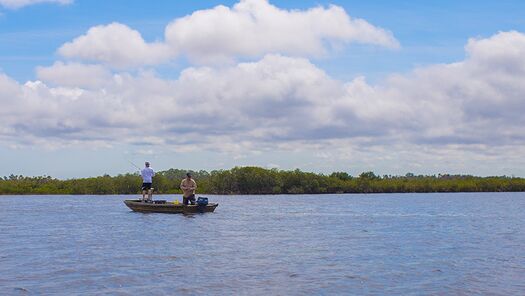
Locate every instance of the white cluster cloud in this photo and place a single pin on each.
(277, 100)
(117, 45)
(253, 28)
(75, 75)
(14, 4)
(250, 29)
(251, 101)
(479, 100)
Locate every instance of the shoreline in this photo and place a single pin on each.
(261, 181)
(252, 194)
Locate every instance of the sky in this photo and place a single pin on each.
(95, 87)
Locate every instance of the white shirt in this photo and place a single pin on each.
(147, 174)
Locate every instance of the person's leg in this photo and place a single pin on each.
(150, 194)
(192, 199)
(146, 188)
(184, 200)
(144, 193)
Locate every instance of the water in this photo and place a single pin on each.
(397, 244)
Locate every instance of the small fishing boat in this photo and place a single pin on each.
(162, 206)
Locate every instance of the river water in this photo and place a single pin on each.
(375, 244)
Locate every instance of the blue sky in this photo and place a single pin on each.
(378, 116)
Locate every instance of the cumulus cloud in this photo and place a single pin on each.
(8, 87)
(255, 101)
(14, 4)
(478, 100)
(74, 75)
(116, 45)
(281, 102)
(250, 29)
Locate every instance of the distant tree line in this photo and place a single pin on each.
(256, 180)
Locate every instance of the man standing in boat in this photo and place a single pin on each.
(147, 174)
(188, 186)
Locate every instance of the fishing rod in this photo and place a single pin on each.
(134, 165)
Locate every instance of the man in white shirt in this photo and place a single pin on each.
(147, 174)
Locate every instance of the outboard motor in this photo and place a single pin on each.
(202, 201)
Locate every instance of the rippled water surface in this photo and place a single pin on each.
(397, 244)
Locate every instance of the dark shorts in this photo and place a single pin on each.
(146, 186)
(190, 198)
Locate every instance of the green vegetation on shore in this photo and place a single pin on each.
(255, 180)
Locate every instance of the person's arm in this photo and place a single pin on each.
(182, 186)
(193, 185)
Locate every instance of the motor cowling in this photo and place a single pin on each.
(202, 201)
